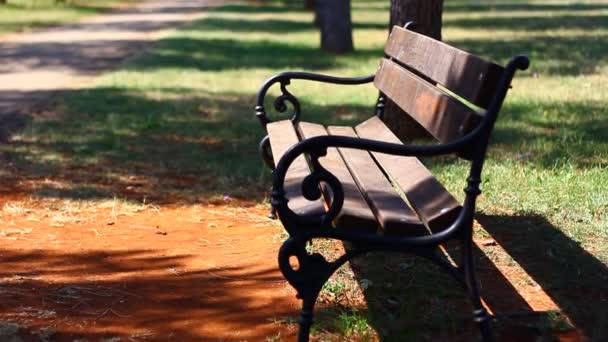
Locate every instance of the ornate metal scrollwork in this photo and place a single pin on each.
(321, 175)
(311, 190)
(311, 271)
(305, 272)
(284, 79)
(265, 152)
(286, 96)
(280, 103)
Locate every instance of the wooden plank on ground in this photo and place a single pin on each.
(442, 115)
(393, 214)
(433, 203)
(467, 75)
(282, 136)
(355, 213)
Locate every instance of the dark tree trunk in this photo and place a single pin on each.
(427, 16)
(333, 18)
(309, 4)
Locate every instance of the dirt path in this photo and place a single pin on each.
(124, 272)
(36, 64)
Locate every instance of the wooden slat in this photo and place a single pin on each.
(355, 213)
(393, 213)
(442, 115)
(467, 75)
(282, 136)
(433, 203)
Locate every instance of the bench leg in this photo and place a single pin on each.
(306, 318)
(480, 314)
(307, 277)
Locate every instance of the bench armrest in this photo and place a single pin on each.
(284, 79)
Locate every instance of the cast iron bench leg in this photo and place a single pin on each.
(480, 314)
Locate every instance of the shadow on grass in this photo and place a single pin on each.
(290, 7)
(229, 54)
(118, 295)
(91, 56)
(190, 149)
(554, 132)
(271, 25)
(574, 279)
(549, 53)
(412, 299)
(41, 8)
(532, 23)
(572, 55)
(467, 6)
(233, 54)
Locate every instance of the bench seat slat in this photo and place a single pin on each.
(282, 136)
(463, 73)
(392, 212)
(355, 213)
(434, 204)
(441, 114)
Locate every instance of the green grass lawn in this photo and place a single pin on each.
(185, 109)
(23, 15)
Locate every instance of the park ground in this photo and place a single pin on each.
(25, 15)
(135, 208)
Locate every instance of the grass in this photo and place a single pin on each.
(24, 15)
(176, 124)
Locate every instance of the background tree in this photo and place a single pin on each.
(333, 19)
(427, 16)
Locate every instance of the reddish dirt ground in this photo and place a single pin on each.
(113, 272)
(110, 270)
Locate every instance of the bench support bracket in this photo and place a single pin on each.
(307, 273)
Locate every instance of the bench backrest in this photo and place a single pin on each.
(417, 72)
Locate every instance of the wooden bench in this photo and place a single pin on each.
(361, 184)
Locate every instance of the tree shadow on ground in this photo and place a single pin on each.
(104, 294)
(228, 54)
(466, 6)
(574, 279)
(572, 55)
(531, 23)
(291, 7)
(80, 58)
(558, 54)
(83, 57)
(105, 142)
(270, 25)
(412, 299)
(575, 132)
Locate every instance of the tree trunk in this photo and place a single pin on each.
(427, 16)
(333, 18)
(425, 13)
(309, 4)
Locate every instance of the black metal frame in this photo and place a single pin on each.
(313, 270)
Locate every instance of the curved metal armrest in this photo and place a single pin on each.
(284, 79)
